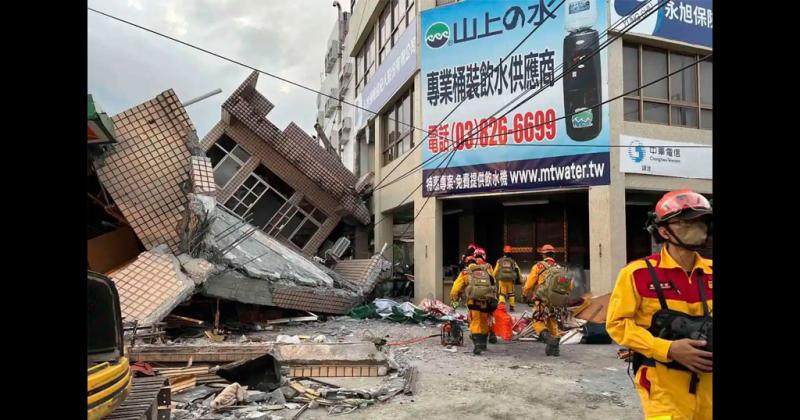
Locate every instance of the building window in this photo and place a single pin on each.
(303, 224)
(398, 132)
(365, 63)
(227, 158)
(260, 195)
(683, 99)
(392, 22)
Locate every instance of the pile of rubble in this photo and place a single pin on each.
(156, 179)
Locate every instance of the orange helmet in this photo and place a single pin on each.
(507, 249)
(479, 253)
(681, 204)
(546, 248)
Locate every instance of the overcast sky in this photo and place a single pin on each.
(128, 66)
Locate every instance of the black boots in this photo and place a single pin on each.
(552, 343)
(492, 338)
(479, 341)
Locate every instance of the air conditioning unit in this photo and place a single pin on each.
(347, 124)
(345, 88)
(347, 71)
(330, 107)
(335, 92)
(339, 248)
(344, 138)
(330, 61)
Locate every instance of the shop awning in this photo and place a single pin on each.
(100, 126)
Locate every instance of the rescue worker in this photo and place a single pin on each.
(673, 375)
(477, 280)
(507, 274)
(462, 264)
(545, 324)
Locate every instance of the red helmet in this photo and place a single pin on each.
(681, 204)
(479, 253)
(507, 249)
(472, 246)
(546, 248)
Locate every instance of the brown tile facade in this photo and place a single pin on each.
(315, 175)
(144, 171)
(146, 285)
(203, 176)
(313, 300)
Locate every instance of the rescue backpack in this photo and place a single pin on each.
(479, 283)
(555, 286)
(506, 270)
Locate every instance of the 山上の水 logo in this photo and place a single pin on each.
(437, 35)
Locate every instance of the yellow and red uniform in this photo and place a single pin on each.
(506, 288)
(664, 391)
(479, 311)
(534, 279)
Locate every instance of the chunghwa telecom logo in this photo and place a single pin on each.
(636, 151)
(437, 35)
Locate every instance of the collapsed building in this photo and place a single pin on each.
(250, 214)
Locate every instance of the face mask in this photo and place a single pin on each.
(693, 234)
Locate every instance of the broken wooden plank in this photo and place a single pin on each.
(212, 353)
(293, 319)
(184, 320)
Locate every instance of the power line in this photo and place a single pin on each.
(237, 62)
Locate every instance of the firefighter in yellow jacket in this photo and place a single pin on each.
(506, 272)
(672, 348)
(478, 284)
(545, 325)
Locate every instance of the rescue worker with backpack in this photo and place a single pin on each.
(479, 287)
(550, 285)
(507, 274)
(661, 309)
(463, 263)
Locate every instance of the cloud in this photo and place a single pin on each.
(127, 66)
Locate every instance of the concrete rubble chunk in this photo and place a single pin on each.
(342, 353)
(198, 269)
(255, 396)
(288, 392)
(257, 416)
(261, 256)
(276, 398)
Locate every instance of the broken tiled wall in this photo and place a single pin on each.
(151, 287)
(144, 171)
(203, 176)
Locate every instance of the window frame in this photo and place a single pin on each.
(229, 155)
(249, 207)
(392, 117)
(671, 104)
(306, 217)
